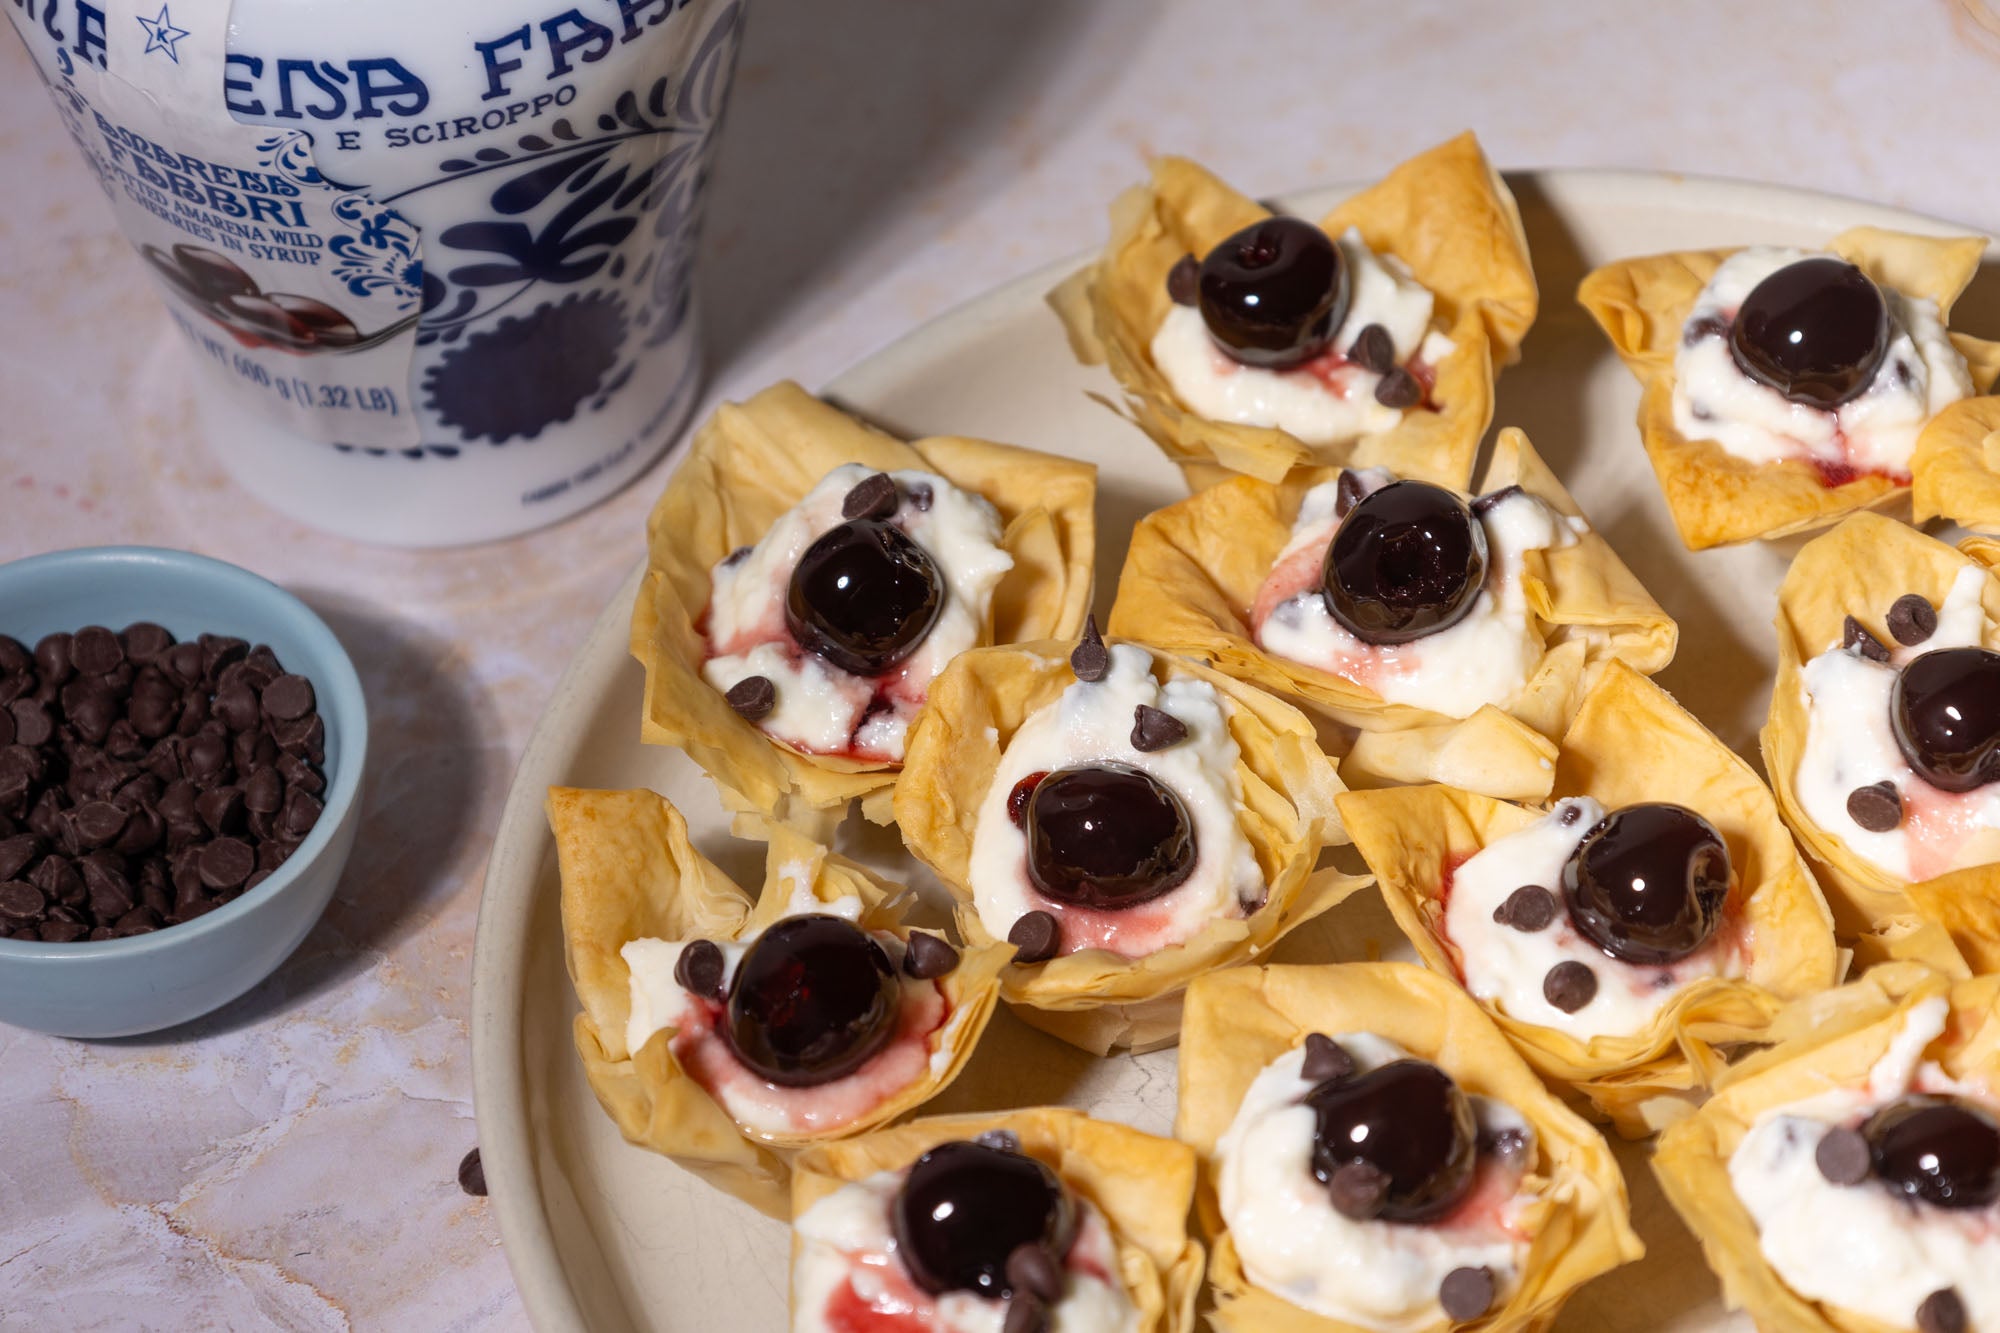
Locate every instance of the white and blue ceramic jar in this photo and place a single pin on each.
(432, 259)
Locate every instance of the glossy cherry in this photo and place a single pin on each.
(1945, 710)
(864, 596)
(1816, 331)
(1107, 837)
(1648, 883)
(1943, 1150)
(1274, 294)
(1408, 560)
(813, 998)
(1408, 1120)
(964, 1207)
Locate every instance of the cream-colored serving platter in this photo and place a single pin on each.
(607, 1238)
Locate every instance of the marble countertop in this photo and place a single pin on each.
(291, 1161)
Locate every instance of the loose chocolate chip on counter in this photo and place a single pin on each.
(1326, 1060)
(95, 651)
(1528, 909)
(698, 970)
(753, 697)
(472, 1174)
(1346, 492)
(927, 957)
(1002, 1140)
(1855, 635)
(1373, 350)
(1466, 1293)
(1358, 1190)
(1486, 503)
(1912, 619)
(1878, 807)
(1032, 1269)
(226, 863)
(1569, 986)
(21, 901)
(1398, 389)
(1154, 730)
(1184, 281)
(874, 496)
(288, 698)
(1942, 1312)
(1842, 1156)
(1025, 1314)
(1036, 936)
(1091, 659)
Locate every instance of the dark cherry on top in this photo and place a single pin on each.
(965, 1207)
(1106, 837)
(1946, 712)
(1942, 1150)
(1408, 560)
(813, 998)
(1410, 1122)
(1815, 331)
(1275, 293)
(1648, 883)
(864, 596)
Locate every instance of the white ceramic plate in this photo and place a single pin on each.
(604, 1237)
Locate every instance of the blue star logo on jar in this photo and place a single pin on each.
(162, 35)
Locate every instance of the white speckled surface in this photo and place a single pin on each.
(290, 1162)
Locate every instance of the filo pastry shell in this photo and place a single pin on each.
(1859, 569)
(1238, 1022)
(1716, 497)
(1445, 213)
(629, 872)
(1630, 743)
(1096, 999)
(1193, 572)
(1831, 1040)
(1957, 465)
(751, 462)
(1142, 1185)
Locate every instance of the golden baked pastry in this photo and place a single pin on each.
(751, 463)
(1630, 744)
(1281, 816)
(1445, 214)
(1192, 579)
(630, 873)
(1140, 1186)
(1576, 1222)
(1717, 497)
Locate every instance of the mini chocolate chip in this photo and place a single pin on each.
(8, 732)
(1153, 729)
(182, 664)
(226, 863)
(59, 879)
(1942, 1312)
(264, 791)
(1878, 807)
(753, 698)
(21, 901)
(1002, 1140)
(1398, 389)
(927, 957)
(1528, 909)
(1358, 1190)
(1036, 937)
(124, 742)
(139, 921)
(472, 1175)
(288, 698)
(52, 658)
(219, 651)
(874, 496)
(62, 932)
(16, 852)
(1032, 1269)
(1184, 281)
(302, 811)
(145, 641)
(98, 823)
(144, 830)
(1911, 620)
(1374, 350)
(14, 655)
(221, 808)
(32, 723)
(298, 773)
(237, 708)
(1842, 1156)
(95, 651)
(104, 880)
(1091, 659)
(1855, 635)
(1486, 503)
(698, 970)
(205, 756)
(921, 497)
(1466, 1293)
(1569, 986)
(737, 557)
(1025, 1314)
(1347, 492)
(1708, 326)
(1326, 1060)
(91, 708)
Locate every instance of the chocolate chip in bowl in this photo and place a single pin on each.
(177, 796)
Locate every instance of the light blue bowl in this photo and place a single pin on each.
(116, 988)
